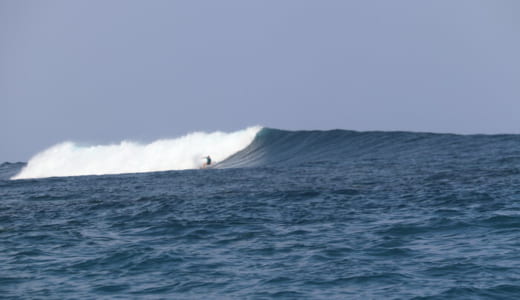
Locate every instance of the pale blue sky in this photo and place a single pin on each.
(103, 71)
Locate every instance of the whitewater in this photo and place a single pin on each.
(186, 152)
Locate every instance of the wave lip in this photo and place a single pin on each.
(186, 152)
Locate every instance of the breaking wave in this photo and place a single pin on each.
(186, 152)
(267, 147)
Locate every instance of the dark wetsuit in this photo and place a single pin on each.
(208, 161)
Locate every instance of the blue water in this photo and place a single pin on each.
(304, 214)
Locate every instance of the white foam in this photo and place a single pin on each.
(186, 152)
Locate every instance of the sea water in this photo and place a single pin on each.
(291, 214)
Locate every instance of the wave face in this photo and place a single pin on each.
(186, 152)
(344, 147)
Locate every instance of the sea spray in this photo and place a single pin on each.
(186, 152)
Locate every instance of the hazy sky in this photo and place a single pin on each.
(103, 71)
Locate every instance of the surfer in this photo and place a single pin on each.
(207, 163)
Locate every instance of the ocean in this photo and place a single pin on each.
(333, 214)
